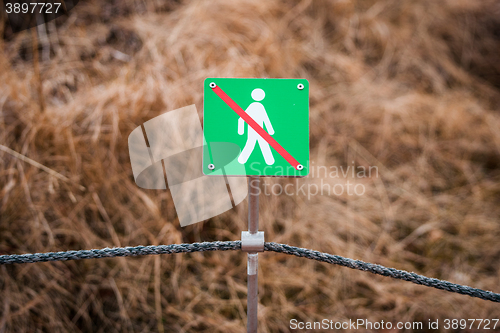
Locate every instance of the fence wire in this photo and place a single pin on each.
(236, 245)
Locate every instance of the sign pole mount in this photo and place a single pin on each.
(252, 241)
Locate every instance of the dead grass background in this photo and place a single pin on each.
(409, 86)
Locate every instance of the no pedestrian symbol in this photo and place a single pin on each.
(256, 127)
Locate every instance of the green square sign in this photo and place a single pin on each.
(256, 127)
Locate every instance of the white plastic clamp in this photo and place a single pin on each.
(252, 242)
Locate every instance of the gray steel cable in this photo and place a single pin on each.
(382, 270)
(128, 251)
(236, 245)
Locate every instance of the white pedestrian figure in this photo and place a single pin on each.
(258, 113)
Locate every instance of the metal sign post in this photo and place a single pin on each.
(253, 257)
(253, 116)
(252, 241)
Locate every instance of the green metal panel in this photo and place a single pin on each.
(287, 109)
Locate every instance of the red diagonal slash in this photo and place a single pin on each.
(236, 108)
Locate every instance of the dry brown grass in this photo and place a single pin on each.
(409, 86)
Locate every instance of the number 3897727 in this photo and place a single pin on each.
(32, 7)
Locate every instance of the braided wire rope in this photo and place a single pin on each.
(236, 245)
(384, 271)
